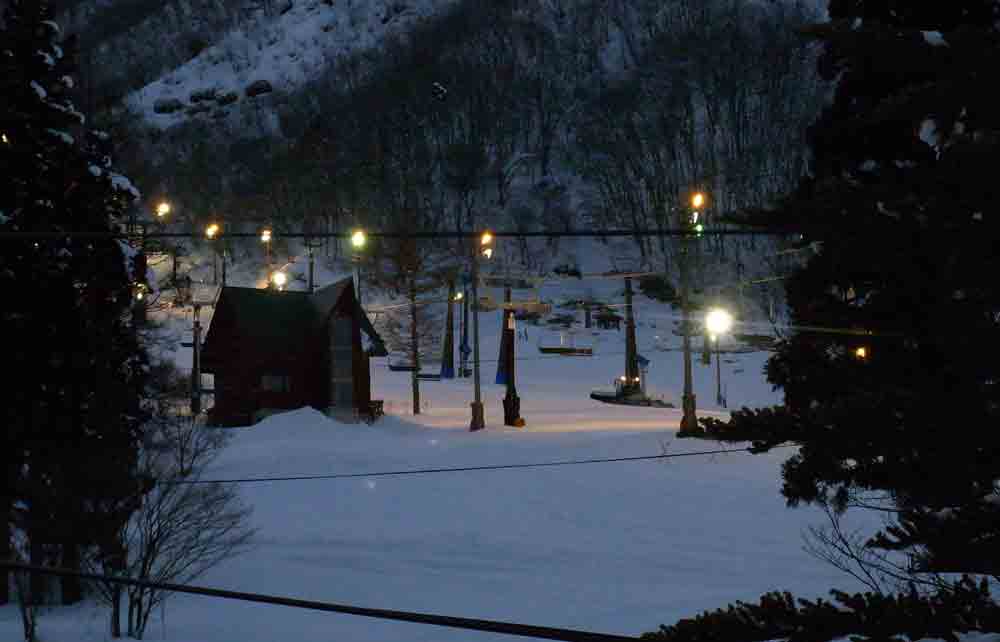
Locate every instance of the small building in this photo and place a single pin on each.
(606, 320)
(275, 350)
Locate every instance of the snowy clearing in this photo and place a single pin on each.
(617, 548)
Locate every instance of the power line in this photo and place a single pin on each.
(442, 235)
(490, 626)
(462, 469)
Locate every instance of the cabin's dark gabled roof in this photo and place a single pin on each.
(265, 322)
(275, 325)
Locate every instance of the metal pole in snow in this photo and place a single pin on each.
(196, 363)
(478, 419)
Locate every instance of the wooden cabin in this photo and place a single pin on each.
(272, 350)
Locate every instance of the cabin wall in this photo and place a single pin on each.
(240, 391)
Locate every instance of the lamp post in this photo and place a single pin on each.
(689, 420)
(482, 245)
(212, 232)
(718, 322)
(358, 241)
(265, 238)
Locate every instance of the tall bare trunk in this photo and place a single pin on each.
(414, 347)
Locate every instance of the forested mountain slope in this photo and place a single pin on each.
(535, 115)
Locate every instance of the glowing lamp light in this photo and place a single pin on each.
(718, 321)
(265, 235)
(163, 209)
(279, 279)
(698, 200)
(4, 138)
(488, 252)
(861, 352)
(458, 297)
(486, 238)
(212, 230)
(358, 239)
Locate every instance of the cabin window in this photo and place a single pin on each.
(276, 383)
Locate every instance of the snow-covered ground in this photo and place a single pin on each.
(615, 547)
(619, 547)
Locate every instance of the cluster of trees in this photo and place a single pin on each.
(84, 426)
(898, 414)
(529, 115)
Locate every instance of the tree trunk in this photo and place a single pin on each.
(133, 614)
(36, 551)
(5, 551)
(72, 591)
(414, 346)
(115, 628)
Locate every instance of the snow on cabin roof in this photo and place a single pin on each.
(272, 323)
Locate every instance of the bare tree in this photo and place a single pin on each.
(184, 526)
(852, 552)
(27, 602)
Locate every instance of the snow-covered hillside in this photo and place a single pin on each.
(285, 51)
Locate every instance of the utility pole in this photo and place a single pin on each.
(448, 349)
(631, 356)
(311, 267)
(689, 420)
(478, 420)
(196, 363)
(223, 263)
(464, 348)
(511, 402)
(718, 375)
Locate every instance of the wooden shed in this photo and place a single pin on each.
(273, 350)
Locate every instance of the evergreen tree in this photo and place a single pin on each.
(900, 411)
(72, 411)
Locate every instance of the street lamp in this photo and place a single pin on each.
(486, 249)
(212, 232)
(279, 279)
(486, 244)
(861, 353)
(692, 221)
(358, 242)
(265, 238)
(718, 322)
(162, 209)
